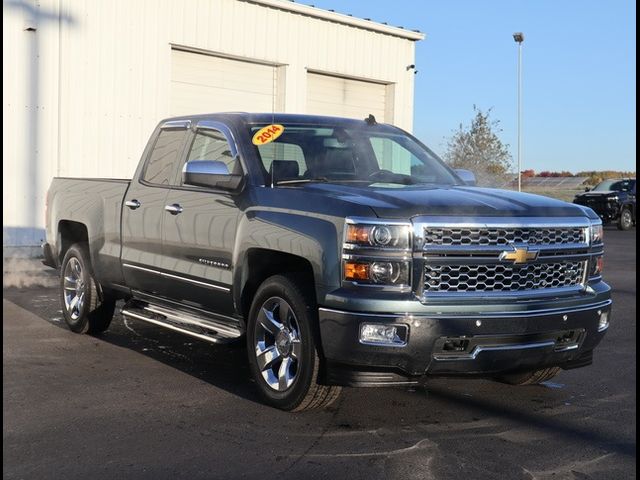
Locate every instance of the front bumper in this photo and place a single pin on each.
(493, 343)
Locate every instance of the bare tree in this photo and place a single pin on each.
(478, 148)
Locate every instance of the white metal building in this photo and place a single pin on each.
(85, 83)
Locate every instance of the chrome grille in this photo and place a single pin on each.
(502, 236)
(502, 278)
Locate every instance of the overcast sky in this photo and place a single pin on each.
(579, 73)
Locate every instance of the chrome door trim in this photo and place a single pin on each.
(177, 277)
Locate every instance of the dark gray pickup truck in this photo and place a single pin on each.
(344, 251)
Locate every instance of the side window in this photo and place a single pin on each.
(162, 163)
(212, 145)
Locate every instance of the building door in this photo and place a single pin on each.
(208, 84)
(346, 97)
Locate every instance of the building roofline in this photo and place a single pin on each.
(292, 6)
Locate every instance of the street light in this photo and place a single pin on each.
(519, 38)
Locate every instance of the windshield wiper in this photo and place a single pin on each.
(302, 180)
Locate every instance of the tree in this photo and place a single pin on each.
(478, 148)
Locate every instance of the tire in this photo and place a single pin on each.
(625, 222)
(282, 346)
(529, 378)
(86, 309)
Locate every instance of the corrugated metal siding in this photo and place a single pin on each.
(86, 106)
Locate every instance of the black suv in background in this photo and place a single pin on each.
(613, 200)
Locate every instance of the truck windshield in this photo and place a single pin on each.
(368, 155)
(614, 186)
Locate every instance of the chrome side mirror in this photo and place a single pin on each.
(211, 174)
(466, 176)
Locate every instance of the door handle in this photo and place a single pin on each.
(173, 209)
(133, 204)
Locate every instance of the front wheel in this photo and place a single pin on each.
(85, 308)
(529, 378)
(282, 349)
(625, 222)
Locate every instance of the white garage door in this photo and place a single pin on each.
(345, 97)
(207, 84)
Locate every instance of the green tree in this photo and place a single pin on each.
(478, 148)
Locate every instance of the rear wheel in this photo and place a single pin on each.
(529, 378)
(625, 222)
(85, 308)
(282, 349)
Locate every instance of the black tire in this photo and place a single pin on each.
(529, 378)
(304, 393)
(95, 310)
(625, 222)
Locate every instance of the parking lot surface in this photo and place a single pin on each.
(140, 402)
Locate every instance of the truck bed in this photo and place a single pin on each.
(94, 204)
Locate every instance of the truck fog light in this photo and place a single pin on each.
(380, 334)
(603, 323)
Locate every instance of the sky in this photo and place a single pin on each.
(578, 74)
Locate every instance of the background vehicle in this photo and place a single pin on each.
(344, 251)
(613, 201)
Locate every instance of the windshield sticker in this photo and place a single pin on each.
(267, 134)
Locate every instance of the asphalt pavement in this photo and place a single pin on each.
(141, 402)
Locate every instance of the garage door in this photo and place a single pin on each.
(206, 84)
(345, 97)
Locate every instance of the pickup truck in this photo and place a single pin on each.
(613, 200)
(343, 251)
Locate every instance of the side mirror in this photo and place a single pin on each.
(587, 189)
(466, 176)
(211, 174)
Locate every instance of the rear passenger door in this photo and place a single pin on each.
(200, 231)
(144, 210)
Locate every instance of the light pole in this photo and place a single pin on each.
(519, 38)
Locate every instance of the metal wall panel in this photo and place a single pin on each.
(83, 89)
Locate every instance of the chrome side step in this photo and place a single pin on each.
(199, 327)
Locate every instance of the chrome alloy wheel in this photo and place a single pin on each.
(278, 347)
(626, 219)
(74, 288)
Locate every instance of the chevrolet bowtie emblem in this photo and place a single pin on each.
(519, 255)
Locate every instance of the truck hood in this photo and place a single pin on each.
(407, 202)
(602, 193)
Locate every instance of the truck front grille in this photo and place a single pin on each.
(502, 278)
(502, 236)
(498, 259)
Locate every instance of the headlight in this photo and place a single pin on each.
(378, 236)
(375, 272)
(377, 253)
(597, 233)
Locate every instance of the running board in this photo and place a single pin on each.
(199, 327)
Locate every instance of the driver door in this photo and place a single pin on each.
(200, 226)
